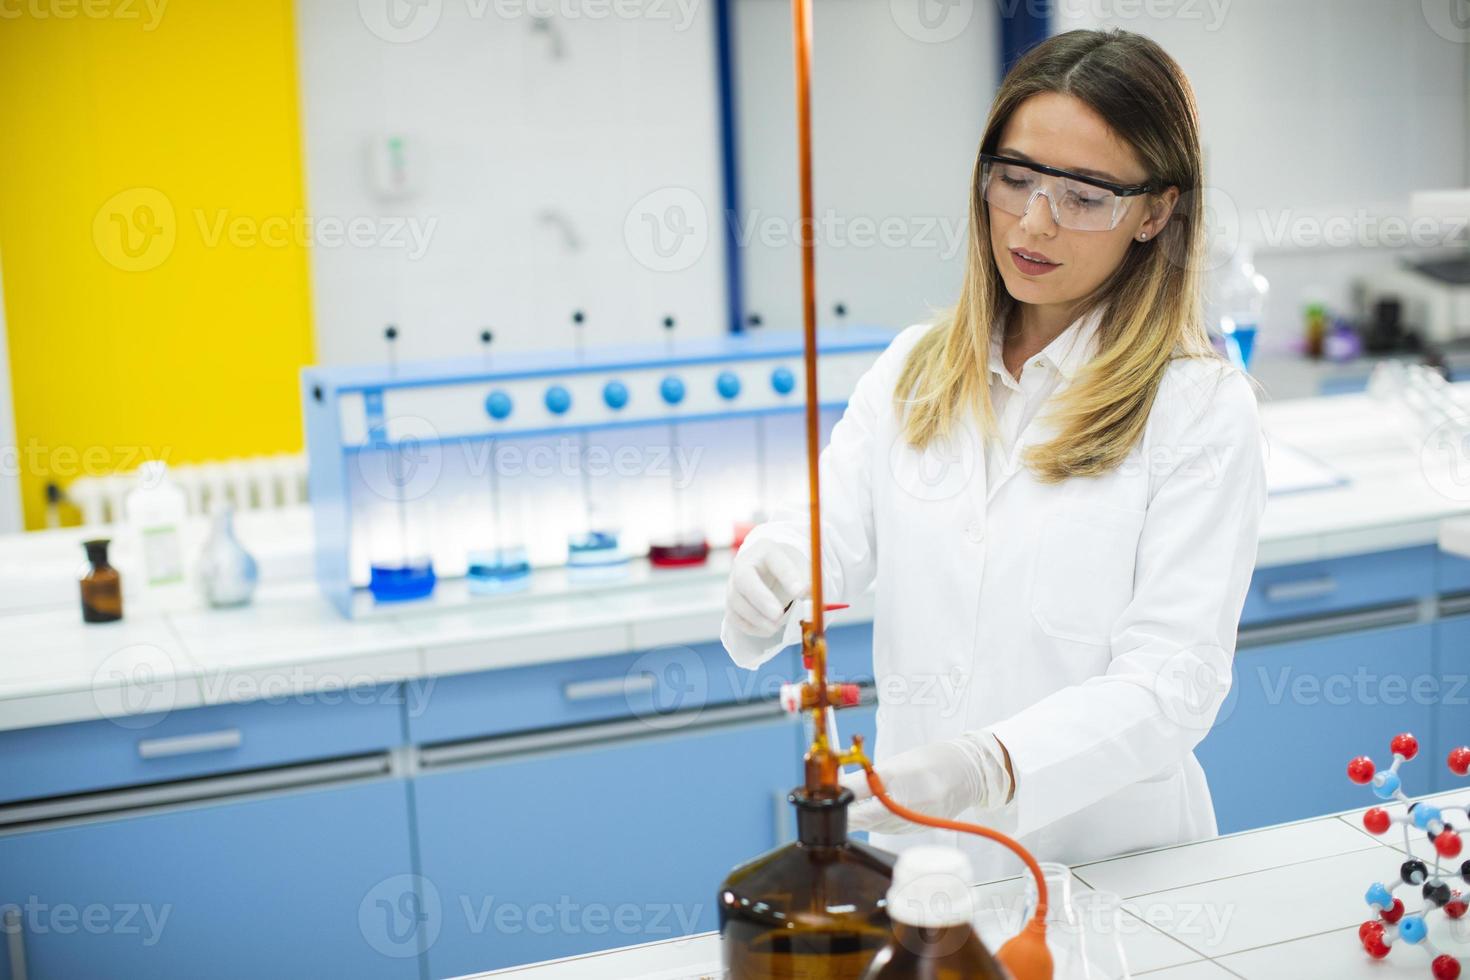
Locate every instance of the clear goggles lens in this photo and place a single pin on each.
(1075, 204)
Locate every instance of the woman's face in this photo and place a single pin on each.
(1060, 131)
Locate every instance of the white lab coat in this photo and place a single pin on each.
(1089, 625)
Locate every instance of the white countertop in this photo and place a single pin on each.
(1399, 486)
(1280, 903)
(56, 669)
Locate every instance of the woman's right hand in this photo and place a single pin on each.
(766, 577)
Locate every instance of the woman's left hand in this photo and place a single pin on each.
(942, 779)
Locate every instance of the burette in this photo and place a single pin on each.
(1025, 955)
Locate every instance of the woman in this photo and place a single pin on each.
(1055, 488)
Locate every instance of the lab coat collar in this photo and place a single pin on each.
(1068, 352)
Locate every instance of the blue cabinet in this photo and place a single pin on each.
(291, 884)
(1300, 710)
(56, 760)
(654, 686)
(1333, 585)
(595, 847)
(1452, 721)
(1452, 573)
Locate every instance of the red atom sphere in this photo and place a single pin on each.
(1361, 769)
(1405, 745)
(1376, 820)
(1447, 843)
(1445, 967)
(1456, 907)
(1393, 915)
(1371, 935)
(1459, 760)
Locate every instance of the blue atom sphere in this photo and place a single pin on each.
(1412, 929)
(1385, 785)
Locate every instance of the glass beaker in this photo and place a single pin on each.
(1083, 928)
(493, 571)
(399, 474)
(688, 547)
(815, 908)
(595, 552)
(503, 564)
(1102, 921)
(683, 542)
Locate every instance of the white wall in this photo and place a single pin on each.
(10, 511)
(1314, 111)
(500, 134)
(898, 108)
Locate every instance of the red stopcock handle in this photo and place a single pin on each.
(806, 657)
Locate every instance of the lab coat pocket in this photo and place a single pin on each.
(1083, 576)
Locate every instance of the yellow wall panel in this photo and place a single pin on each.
(155, 285)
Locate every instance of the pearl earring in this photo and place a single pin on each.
(1142, 235)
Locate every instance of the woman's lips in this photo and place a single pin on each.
(1029, 266)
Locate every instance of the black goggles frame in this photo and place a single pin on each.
(1121, 190)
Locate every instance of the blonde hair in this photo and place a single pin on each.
(1152, 300)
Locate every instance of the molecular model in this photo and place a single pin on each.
(1393, 923)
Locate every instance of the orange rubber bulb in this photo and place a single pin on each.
(1025, 955)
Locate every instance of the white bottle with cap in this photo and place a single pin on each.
(156, 512)
(932, 907)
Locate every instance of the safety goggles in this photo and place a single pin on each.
(1077, 202)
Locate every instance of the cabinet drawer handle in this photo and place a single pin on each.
(162, 748)
(1307, 588)
(609, 687)
(15, 943)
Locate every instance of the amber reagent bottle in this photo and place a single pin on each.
(101, 585)
(813, 909)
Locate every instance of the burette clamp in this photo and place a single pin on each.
(801, 696)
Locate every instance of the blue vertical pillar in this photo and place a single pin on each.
(1023, 25)
(729, 171)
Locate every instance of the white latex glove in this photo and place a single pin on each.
(766, 577)
(942, 779)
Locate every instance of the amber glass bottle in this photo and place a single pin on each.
(813, 909)
(932, 911)
(101, 585)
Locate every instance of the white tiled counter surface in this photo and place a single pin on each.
(1280, 903)
(54, 668)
